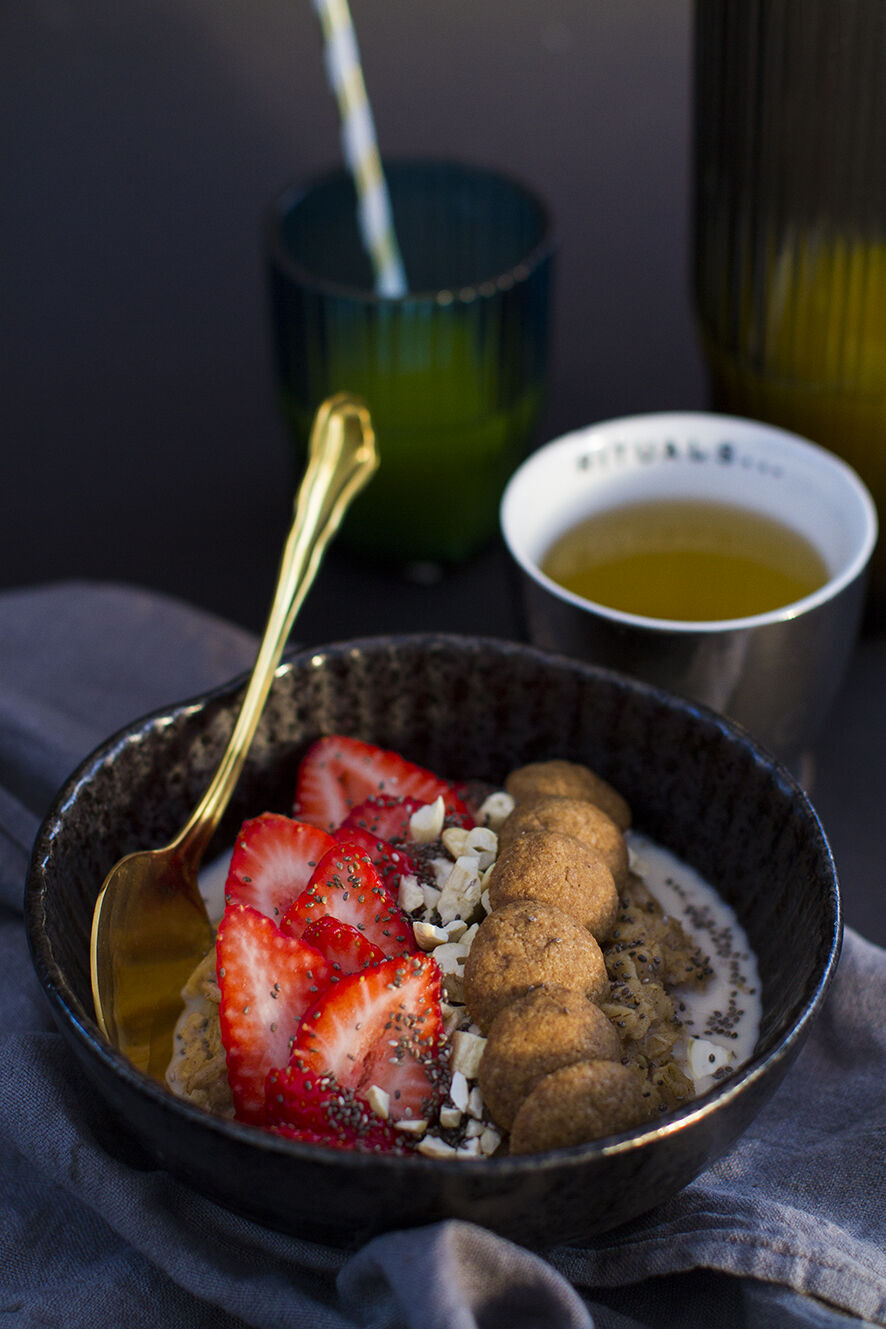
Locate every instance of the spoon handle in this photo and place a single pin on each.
(342, 457)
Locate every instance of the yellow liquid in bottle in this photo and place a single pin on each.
(686, 560)
(811, 355)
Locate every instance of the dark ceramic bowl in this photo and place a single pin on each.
(464, 707)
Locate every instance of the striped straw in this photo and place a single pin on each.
(359, 145)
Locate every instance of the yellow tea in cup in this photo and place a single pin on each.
(706, 555)
(690, 560)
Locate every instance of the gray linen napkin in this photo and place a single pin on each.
(789, 1229)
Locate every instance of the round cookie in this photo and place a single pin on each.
(571, 816)
(556, 869)
(548, 1028)
(522, 946)
(578, 1103)
(568, 779)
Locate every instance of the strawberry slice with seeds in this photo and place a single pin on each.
(385, 815)
(384, 1027)
(391, 861)
(344, 948)
(338, 773)
(317, 1110)
(267, 981)
(273, 860)
(390, 816)
(346, 885)
(381, 1140)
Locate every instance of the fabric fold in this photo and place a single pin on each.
(456, 1276)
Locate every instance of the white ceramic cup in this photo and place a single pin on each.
(776, 673)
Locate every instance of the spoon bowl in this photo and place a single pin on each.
(149, 926)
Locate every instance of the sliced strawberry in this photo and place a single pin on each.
(273, 860)
(380, 1027)
(390, 816)
(317, 1110)
(344, 948)
(267, 982)
(346, 885)
(337, 773)
(391, 862)
(376, 1141)
(385, 815)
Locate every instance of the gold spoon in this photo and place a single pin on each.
(150, 928)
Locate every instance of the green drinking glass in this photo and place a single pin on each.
(453, 372)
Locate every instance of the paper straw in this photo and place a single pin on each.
(359, 145)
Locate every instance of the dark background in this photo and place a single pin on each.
(141, 141)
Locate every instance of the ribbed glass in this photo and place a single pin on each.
(790, 219)
(453, 373)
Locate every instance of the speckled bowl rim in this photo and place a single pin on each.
(67, 1008)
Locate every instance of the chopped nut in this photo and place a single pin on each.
(450, 1117)
(636, 862)
(467, 1051)
(433, 1147)
(451, 958)
(458, 1091)
(704, 1056)
(496, 809)
(441, 868)
(411, 1125)
(461, 890)
(426, 822)
(427, 936)
(479, 842)
(379, 1100)
(483, 839)
(455, 838)
(489, 1141)
(468, 937)
(475, 1103)
(430, 896)
(483, 843)
(410, 896)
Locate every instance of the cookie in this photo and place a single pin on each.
(571, 816)
(556, 869)
(548, 1028)
(578, 1103)
(522, 946)
(568, 779)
